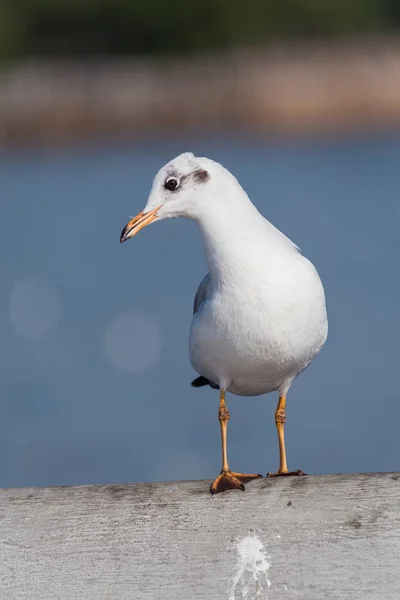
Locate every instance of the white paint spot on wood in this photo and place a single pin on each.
(250, 580)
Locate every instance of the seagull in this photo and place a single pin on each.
(259, 315)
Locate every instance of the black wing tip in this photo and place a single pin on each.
(199, 381)
(202, 381)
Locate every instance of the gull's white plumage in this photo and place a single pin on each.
(263, 318)
(260, 324)
(259, 315)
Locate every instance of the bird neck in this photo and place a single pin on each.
(238, 241)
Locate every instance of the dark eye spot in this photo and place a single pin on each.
(171, 183)
(201, 175)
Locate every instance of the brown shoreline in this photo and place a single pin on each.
(283, 90)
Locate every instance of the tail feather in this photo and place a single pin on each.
(202, 381)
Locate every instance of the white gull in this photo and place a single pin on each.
(259, 314)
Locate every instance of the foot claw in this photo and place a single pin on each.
(287, 474)
(229, 480)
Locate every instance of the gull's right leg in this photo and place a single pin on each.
(227, 479)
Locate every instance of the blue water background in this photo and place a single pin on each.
(73, 410)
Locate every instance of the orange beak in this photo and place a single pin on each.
(137, 223)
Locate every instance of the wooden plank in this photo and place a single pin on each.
(311, 538)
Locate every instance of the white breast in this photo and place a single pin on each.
(261, 326)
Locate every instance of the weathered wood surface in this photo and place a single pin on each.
(311, 538)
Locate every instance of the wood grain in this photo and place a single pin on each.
(329, 537)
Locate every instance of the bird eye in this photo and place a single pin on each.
(171, 183)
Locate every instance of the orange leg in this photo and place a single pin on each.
(227, 479)
(280, 420)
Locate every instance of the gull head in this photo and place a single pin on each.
(185, 187)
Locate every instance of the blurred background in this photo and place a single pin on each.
(301, 101)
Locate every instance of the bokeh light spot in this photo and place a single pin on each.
(34, 308)
(132, 343)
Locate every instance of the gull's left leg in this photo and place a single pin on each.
(280, 420)
(227, 479)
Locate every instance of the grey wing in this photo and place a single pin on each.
(201, 296)
(202, 293)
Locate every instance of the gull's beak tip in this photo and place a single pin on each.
(137, 223)
(129, 230)
(123, 237)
